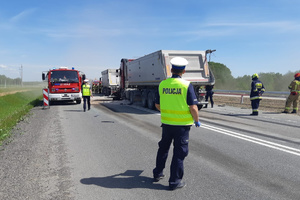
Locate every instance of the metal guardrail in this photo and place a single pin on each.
(242, 93)
(268, 93)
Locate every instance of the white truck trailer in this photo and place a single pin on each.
(110, 81)
(140, 78)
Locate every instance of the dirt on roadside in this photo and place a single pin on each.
(269, 105)
(11, 92)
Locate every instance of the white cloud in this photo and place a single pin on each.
(22, 15)
(275, 25)
(3, 66)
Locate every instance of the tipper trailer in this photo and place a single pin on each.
(110, 81)
(141, 77)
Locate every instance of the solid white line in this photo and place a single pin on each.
(254, 140)
(246, 137)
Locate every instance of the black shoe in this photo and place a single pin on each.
(179, 186)
(156, 179)
(285, 111)
(89, 108)
(84, 110)
(294, 111)
(254, 114)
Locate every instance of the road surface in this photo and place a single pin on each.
(109, 153)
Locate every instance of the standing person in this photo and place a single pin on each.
(294, 95)
(209, 93)
(86, 94)
(257, 89)
(177, 103)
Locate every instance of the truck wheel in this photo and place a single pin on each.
(199, 107)
(78, 101)
(131, 97)
(150, 100)
(107, 92)
(144, 99)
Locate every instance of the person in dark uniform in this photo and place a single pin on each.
(177, 102)
(209, 93)
(257, 89)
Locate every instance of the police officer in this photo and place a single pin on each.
(257, 89)
(294, 95)
(177, 103)
(86, 94)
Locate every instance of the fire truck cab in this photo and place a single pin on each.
(64, 84)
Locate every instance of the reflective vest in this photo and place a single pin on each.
(86, 90)
(295, 86)
(257, 88)
(173, 106)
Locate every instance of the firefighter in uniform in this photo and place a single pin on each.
(86, 94)
(294, 95)
(257, 89)
(177, 102)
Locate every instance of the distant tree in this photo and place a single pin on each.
(223, 77)
(269, 80)
(243, 83)
(8, 81)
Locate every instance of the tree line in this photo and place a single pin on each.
(17, 82)
(223, 79)
(9, 81)
(272, 81)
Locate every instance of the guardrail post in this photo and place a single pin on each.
(242, 99)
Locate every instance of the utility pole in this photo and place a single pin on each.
(21, 75)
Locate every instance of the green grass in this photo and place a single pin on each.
(14, 107)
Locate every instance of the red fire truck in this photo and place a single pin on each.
(64, 84)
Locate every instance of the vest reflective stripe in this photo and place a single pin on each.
(172, 119)
(86, 90)
(255, 97)
(175, 112)
(173, 106)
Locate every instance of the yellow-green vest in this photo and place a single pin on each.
(173, 106)
(86, 90)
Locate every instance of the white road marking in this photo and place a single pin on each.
(265, 143)
(254, 140)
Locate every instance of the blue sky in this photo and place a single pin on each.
(93, 35)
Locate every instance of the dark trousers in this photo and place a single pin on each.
(210, 95)
(88, 100)
(255, 105)
(180, 137)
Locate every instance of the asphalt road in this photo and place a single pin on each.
(109, 153)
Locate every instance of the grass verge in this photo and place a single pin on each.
(14, 107)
